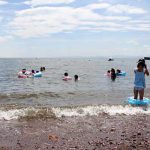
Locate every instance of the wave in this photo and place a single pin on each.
(96, 110)
(11, 113)
(29, 95)
(26, 113)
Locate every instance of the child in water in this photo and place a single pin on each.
(139, 82)
(118, 71)
(42, 69)
(108, 73)
(66, 77)
(113, 74)
(76, 78)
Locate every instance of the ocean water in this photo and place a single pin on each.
(93, 94)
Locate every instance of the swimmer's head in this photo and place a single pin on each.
(76, 77)
(23, 70)
(118, 71)
(65, 74)
(113, 70)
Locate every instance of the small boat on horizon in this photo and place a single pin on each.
(110, 59)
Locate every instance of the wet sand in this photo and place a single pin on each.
(101, 132)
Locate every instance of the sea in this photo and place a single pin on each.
(50, 96)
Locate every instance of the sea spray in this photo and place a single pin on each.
(56, 112)
(96, 110)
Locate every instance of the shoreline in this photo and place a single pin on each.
(103, 132)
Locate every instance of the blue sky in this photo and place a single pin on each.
(72, 28)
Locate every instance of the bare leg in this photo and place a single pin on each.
(141, 93)
(135, 94)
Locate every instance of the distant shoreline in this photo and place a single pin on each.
(80, 57)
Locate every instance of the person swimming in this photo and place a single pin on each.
(108, 73)
(118, 71)
(42, 69)
(66, 77)
(24, 71)
(76, 78)
(32, 71)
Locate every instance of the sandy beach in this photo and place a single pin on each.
(103, 132)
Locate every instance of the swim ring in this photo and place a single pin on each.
(67, 78)
(37, 75)
(27, 74)
(132, 101)
(122, 73)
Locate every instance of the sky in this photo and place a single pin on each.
(74, 28)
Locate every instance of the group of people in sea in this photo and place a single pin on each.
(24, 73)
(113, 73)
(66, 77)
(139, 82)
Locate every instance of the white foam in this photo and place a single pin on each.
(77, 111)
(13, 114)
(96, 110)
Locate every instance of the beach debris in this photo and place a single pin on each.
(113, 129)
(53, 138)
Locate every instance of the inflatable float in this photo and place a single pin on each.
(132, 101)
(22, 76)
(37, 75)
(27, 74)
(122, 73)
(107, 74)
(66, 78)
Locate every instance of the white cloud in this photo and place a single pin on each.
(119, 8)
(140, 21)
(138, 27)
(4, 39)
(43, 20)
(133, 42)
(1, 18)
(98, 6)
(147, 47)
(46, 2)
(3, 2)
(46, 20)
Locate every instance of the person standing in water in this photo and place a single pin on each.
(113, 74)
(139, 82)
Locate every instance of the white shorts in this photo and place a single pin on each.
(138, 88)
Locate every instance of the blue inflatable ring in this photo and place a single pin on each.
(38, 74)
(132, 101)
(123, 73)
